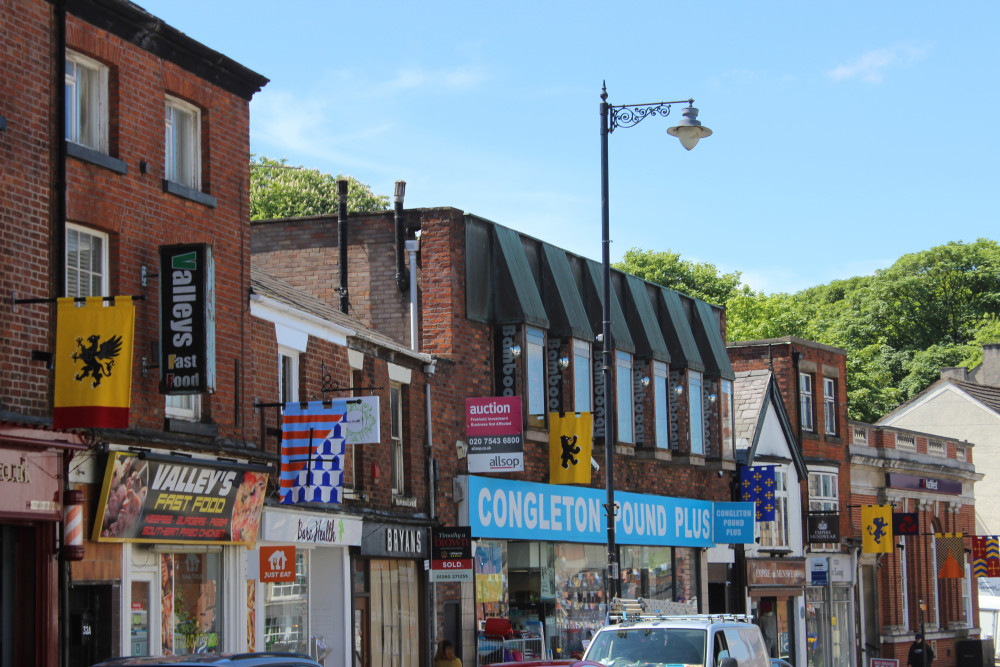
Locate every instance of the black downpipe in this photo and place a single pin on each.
(798, 392)
(59, 276)
(345, 304)
(402, 277)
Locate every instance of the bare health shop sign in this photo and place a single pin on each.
(178, 503)
(493, 431)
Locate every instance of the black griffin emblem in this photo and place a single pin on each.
(568, 450)
(98, 358)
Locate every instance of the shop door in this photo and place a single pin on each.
(91, 628)
(361, 633)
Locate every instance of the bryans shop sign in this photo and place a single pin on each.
(187, 319)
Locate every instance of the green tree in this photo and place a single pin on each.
(700, 280)
(278, 190)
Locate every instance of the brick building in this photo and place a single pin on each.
(92, 194)
(910, 590)
(811, 379)
(513, 320)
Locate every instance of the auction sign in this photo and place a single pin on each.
(451, 555)
(188, 502)
(493, 431)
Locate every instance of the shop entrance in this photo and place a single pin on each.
(91, 624)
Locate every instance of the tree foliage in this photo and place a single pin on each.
(899, 327)
(279, 190)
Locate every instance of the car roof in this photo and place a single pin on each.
(206, 659)
(695, 622)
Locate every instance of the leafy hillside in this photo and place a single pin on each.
(899, 326)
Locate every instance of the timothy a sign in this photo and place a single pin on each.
(187, 319)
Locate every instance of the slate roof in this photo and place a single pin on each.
(265, 285)
(748, 398)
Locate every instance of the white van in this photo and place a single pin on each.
(702, 640)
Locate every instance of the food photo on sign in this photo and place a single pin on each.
(192, 500)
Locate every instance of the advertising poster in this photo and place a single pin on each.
(494, 434)
(190, 501)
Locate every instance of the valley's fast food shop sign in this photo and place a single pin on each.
(178, 503)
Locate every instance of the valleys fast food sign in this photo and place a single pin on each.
(178, 503)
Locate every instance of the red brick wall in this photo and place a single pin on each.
(132, 208)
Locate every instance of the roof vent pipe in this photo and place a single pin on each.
(402, 280)
(345, 303)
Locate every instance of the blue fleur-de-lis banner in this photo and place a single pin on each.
(757, 485)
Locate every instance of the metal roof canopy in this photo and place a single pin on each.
(641, 319)
(677, 331)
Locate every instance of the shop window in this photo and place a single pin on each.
(535, 366)
(286, 610)
(727, 417)
(182, 158)
(86, 262)
(661, 405)
(395, 613)
(806, 401)
(775, 533)
(192, 604)
(830, 406)
(396, 432)
(824, 496)
(579, 596)
(582, 376)
(696, 413)
(86, 102)
(490, 568)
(623, 391)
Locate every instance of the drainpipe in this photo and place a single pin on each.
(429, 370)
(412, 246)
(345, 304)
(401, 280)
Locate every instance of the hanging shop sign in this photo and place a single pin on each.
(187, 319)
(782, 572)
(277, 564)
(733, 523)
(305, 528)
(451, 554)
(506, 509)
(394, 540)
(823, 527)
(494, 434)
(190, 501)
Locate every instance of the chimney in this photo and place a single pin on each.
(988, 372)
(955, 373)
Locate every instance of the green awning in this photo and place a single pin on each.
(590, 285)
(642, 322)
(516, 296)
(677, 331)
(561, 298)
(709, 337)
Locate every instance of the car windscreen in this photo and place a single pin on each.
(619, 647)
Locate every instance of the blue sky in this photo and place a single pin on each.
(845, 134)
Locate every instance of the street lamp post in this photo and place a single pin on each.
(689, 130)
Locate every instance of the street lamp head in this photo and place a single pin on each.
(689, 129)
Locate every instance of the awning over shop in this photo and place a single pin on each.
(677, 331)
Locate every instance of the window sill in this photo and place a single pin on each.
(175, 425)
(189, 193)
(96, 157)
(691, 459)
(657, 454)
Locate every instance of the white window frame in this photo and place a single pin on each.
(583, 376)
(830, 406)
(183, 406)
(806, 401)
(775, 533)
(83, 240)
(824, 496)
(397, 430)
(86, 82)
(696, 412)
(726, 391)
(661, 405)
(624, 401)
(288, 374)
(181, 168)
(535, 371)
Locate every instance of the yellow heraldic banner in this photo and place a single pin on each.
(93, 364)
(876, 529)
(571, 437)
